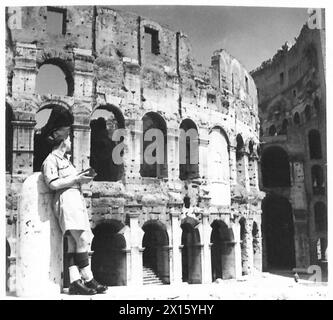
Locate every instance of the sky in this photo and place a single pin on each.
(251, 34)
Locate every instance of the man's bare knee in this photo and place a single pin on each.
(84, 240)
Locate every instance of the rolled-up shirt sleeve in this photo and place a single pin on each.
(50, 170)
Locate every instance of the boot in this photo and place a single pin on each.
(78, 287)
(93, 284)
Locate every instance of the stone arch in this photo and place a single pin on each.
(108, 261)
(315, 144)
(159, 169)
(45, 118)
(222, 251)
(9, 138)
(218, 167)
(105, 121)
(275, 167)
(55, 65)
(317, 175)
(278, 228)
(243, 244)
(188, 150)
(191, 251)
(156, 254)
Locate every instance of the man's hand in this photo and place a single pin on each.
(84, 178)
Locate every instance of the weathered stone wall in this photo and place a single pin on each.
(103, 56)
(292, 86)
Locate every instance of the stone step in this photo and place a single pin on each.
(150, 277)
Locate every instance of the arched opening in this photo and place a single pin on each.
(251, 147)
(315, 144)
(272, 130)
(243, 244)
(278, 232)
(9, 138)
(218, 167)
(54, 77)
(191, 252)
(154, 162)
(284, 127)
(307, 113)
(188, 150)
(47, 119)
(222, 251)
(108, 261)
(317, 175)
(297, 119)
(239, 147)
(320, 217)
(156, 253)
(275, 168)
(316, 104)
(256, 246)
(105, 121)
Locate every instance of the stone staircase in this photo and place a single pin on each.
(150, 277)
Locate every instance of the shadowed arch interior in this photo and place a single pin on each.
(153, 120)
(156, 249)
(9, 138)
(275, 168)
(278, 230)
(222, 251)
(189, 169)
(191, 252)
(108, 262)
(105, 121)
(315, 144)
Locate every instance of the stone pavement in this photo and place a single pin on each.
(266, 286)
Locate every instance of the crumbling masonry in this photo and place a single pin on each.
(169, 222)
(292, 107)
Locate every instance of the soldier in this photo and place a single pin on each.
(69, 204)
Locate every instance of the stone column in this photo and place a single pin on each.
(173, 154)
(23, 144)
(203, 151)
(39, 242)
(175, 211)
(253, 171)
(81, 146)
(132, 160)
(237, 254)
(136, 235)
(257, 253)
(300, 214)
(232, 165)
(247, 249)
(206, 261)
(243, 170)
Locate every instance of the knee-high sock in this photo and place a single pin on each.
(74, 273)
(86, 273)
